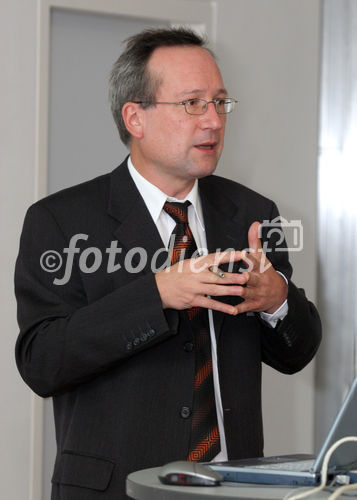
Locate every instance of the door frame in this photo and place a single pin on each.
(200, 15)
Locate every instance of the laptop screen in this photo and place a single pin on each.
(345, 424)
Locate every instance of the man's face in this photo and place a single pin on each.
(175, 144)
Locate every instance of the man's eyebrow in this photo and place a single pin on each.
(200, 92)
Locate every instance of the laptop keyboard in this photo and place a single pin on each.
(297, 466)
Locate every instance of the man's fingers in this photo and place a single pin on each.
(246, 306)
(213, 260)
(212, 278)
(216, 305)
(247, 278)
(253, 237)
(223, 291)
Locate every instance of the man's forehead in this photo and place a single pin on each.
(192, 64)
(200, 92)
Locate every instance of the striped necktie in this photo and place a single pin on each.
(204, 441)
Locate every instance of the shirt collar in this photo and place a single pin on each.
(155, 199)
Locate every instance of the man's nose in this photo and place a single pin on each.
(211, 119)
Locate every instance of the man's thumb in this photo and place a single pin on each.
(253, 237)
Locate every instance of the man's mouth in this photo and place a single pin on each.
(206, 145)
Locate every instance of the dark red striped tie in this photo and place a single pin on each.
(204, 443)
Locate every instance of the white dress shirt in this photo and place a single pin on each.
(155, 199)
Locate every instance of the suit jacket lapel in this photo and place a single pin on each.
(136, 229)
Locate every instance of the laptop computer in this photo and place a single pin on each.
(302, 470)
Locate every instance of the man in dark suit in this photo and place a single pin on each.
(117, 334)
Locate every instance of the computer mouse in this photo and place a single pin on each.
(189, 474)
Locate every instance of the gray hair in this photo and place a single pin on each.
(130, 79)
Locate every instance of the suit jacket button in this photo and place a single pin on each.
(136, 341)
(185, 412)
(129, 346)
(188, 347)
(151, 332)
(143, 337)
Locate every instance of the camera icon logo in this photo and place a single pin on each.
(280, 228)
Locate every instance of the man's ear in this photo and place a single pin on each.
(133, 117)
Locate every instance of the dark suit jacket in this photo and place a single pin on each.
(117, 365)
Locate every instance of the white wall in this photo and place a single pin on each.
(17, 150)
(269, 53)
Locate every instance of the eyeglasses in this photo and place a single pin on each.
(199, 106)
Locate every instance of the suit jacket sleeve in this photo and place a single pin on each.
(292, 344)
(64, 340)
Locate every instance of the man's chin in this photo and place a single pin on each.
(203, 170)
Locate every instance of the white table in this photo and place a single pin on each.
(145, 485)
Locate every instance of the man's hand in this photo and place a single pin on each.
(265, 289)
(187, 283)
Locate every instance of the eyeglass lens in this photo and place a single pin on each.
(199, 106)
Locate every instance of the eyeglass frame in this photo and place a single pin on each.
(183, 103)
